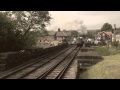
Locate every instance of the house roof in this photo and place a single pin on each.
(68, 33)
(61, 33)
(51, 33)
(108, 33)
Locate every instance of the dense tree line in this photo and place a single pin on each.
(20, 29)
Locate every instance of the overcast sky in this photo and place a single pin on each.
(90, 19)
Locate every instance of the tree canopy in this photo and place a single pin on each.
(107, 27)
(21, 28)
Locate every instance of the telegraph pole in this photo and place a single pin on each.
(114, 32)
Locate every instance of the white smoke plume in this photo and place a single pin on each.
(76, 25)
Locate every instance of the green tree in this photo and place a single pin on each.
(107, 27)
(27, 22)
(19, 29)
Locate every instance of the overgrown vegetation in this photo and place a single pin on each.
(105, 51)
(20, 29)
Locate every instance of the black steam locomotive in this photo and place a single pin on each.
(80, 41)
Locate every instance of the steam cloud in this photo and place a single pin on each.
(76, 25)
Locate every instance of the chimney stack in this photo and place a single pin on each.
(58, 29)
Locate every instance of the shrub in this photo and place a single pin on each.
(104, 51)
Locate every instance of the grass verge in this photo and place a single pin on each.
(107, 69)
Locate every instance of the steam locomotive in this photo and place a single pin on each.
(80, 41)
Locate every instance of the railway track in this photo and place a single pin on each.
(70, 72)
(39, 71)
(31, 68)
(58, 70)
(27, 63)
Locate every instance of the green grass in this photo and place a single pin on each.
(109, 68)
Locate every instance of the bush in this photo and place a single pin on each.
(104, 51)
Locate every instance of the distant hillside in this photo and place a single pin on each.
(93, 31)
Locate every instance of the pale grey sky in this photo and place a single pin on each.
(90, 19)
